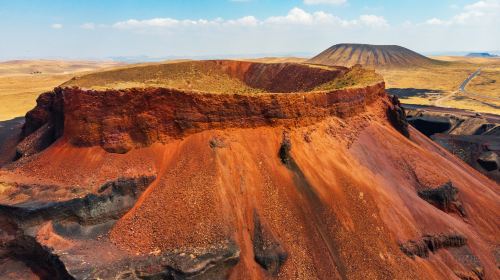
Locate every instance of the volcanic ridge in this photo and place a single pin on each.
(372, 56)
(238, 170)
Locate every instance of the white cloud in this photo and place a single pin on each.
(88, 25)
(172, 23)
(295, 16)
(480, 12)
(488, 4)
(328, 2)
(245, 21)
(434, 21)
(56, 26)
(299, 16)
(154, 22)
(373, 20)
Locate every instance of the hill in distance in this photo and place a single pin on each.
(481, 55)
(373, 56)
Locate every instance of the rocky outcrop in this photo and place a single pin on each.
(471, 148)
(115, 198)
(36, 141)
(47, 263)
(432, 122)
(87, 221)
(268, 251)
(120, 120)
(43, 125)
(457, 247)
(39, 258)
(285, 148)
(213, 263)
(472, 138)
(397, 116)
(489, 161)
(43, 113)
(10, 132)
(432, 243)
(444, 197)
(17, 246)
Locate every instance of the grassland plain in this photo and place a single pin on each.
(21, 81)
(439, 84)
(487, 83)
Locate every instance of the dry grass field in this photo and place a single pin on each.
(18, 93)
(21, 81)
(488, 83)
(214, 77)
(289, 59)
(438, 85)
(50, 67)
(186, 75)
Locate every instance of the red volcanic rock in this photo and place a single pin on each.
(155, 115)
(48, 109)
(431, 243)
(300, 184)
(287, 77)
(397, 116)
(445, 198)
(40, 115)
(120, 120)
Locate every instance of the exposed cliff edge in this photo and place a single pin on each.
(122, 119)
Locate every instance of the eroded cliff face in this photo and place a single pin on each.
(120, 120)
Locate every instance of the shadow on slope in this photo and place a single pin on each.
(413, 92)
(9, 136)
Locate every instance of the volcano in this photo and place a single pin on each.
(238, 170)
(372, 56)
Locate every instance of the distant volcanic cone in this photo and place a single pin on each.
(238, 170)
(372, 56)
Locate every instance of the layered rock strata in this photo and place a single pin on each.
(120, 120)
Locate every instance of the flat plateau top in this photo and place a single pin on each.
(229, 77)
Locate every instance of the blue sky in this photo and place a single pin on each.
(100, 29)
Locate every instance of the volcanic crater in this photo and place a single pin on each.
(174, 100)
(238, 170)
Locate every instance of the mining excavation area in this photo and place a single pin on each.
(226, 169)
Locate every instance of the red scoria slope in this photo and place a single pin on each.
(177, 184)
